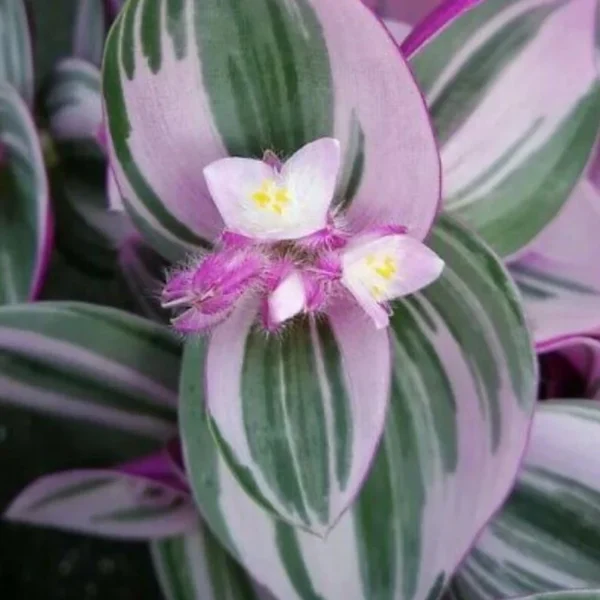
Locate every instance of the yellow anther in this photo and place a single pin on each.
(381, 269)
(384, 266)
(261, 199)
(387, 269)
(377, 292)
(271, 197)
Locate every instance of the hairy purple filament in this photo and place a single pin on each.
(239, 267)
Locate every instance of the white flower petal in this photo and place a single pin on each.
(287, 300)
(389, 267)
(257, 201)
(310, 176)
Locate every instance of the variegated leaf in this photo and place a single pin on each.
(407, 12)
(515, 138)
(299, 417)
(196, 567)
(244, 76)
(88, 227)
(74, 102)
(547, 536)
(25, 221)
(16, 62)
(105, 503)
(90, 30)
(559, 277)
(105, 380)
(463, 384)
(92, 21)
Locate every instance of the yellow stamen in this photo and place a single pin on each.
(271, 197)
(377, 292)
(388, 269)
(383, 270)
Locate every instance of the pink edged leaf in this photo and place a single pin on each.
(391, 161)
(25, 217)
(547, 535)
(462, 396)
(90, 29)
(398, 30)
(115, 202)
(413, 23)
(559, 277)
(514, 138)
(441, 14)
(106, 503)
(290, 412)
(161, 467)
(101, 377)
(92, 386)
(192, 82)
(410, 12)
(90, 219)
(16, 55)
(74, 102)
(196, 567)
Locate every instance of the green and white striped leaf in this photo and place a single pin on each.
(91, 26)
(106, 503)
(74, 102)
(407, 13)
(88, 228)
(197, 567)
(463, 393)
(290, 413)
(25, 221)
(547, 536)
(559, 276)
(514, 137)
(105, 380)
(16, 59)
(243, 76)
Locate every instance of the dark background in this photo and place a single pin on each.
(40, 564)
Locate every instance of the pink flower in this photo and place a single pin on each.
(286, 244)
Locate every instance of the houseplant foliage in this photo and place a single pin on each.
(301, 274)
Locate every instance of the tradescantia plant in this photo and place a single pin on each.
(25, 218)
(342, 253)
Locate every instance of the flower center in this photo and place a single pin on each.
(271, 197)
